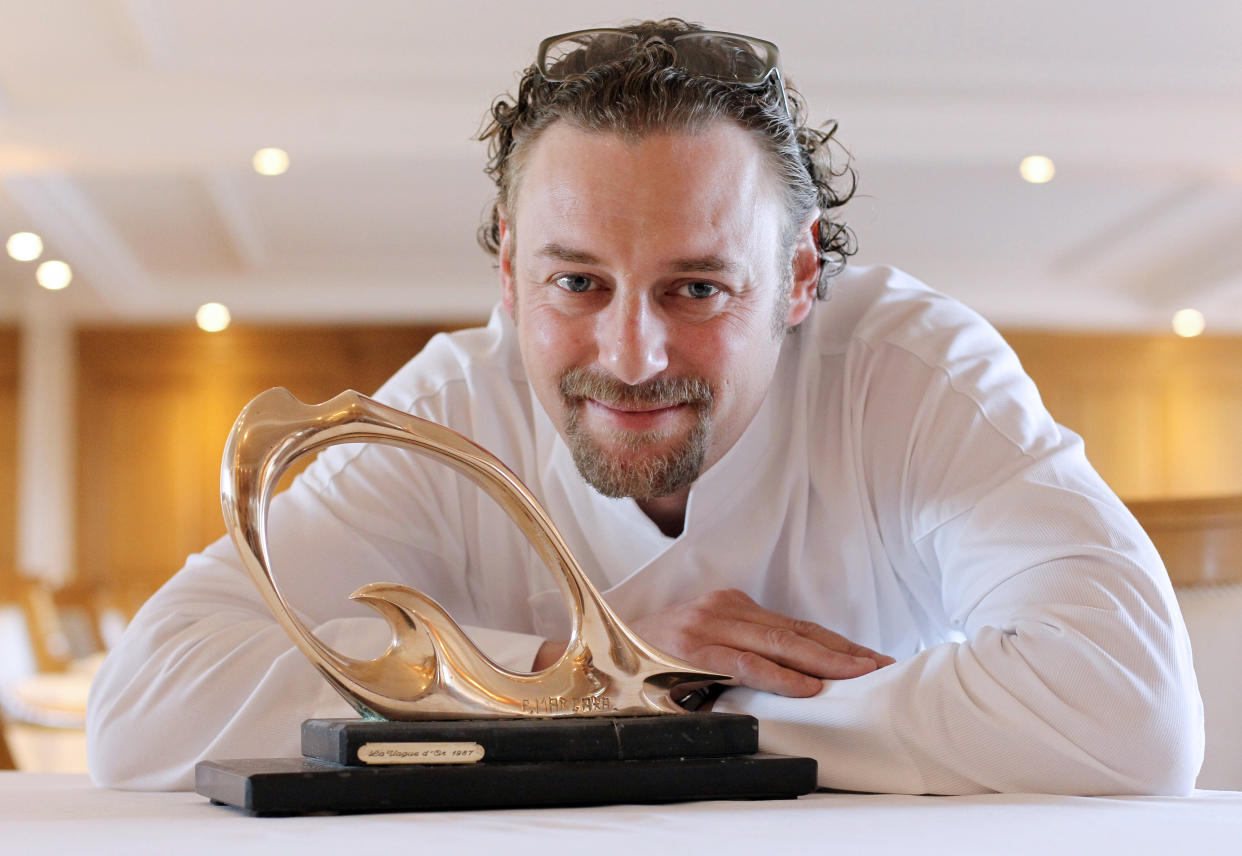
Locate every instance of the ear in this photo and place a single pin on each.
(508, 296)
(806, 270)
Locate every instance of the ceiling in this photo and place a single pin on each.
(127, 129)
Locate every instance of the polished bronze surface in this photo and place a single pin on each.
(431, 669)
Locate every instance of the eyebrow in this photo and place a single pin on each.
(562, 253)
(704, 264)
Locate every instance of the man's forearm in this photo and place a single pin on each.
(1037, 708)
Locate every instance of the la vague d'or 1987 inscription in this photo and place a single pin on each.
(560, 704)
(420, 753)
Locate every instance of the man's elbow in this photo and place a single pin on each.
(111, 757)
(1118, 737)
(131, 765)
(125, 752)
(1174, 760)
(1160, 752)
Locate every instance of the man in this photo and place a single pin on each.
(860, 509)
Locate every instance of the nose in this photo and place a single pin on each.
(631, 338)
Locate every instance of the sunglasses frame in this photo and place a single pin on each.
(768, 53)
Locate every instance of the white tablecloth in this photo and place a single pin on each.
(47, 813)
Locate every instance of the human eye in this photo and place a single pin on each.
(575, 283)
(698, 290)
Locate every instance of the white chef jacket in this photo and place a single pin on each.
(902, 484)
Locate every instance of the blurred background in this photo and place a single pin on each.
(207, 198)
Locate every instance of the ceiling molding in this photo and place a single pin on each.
(1201, 261)
(152, 34)
(1137, 232)
(73, 229)
(242, 227)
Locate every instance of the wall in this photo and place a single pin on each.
(154, 408)
(1161, 416)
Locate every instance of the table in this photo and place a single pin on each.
(52, 814)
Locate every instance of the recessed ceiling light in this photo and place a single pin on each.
(1037, 169)
(24, 246)
(53, 275)
(1188, 323)
(271, 161)
(212, 317)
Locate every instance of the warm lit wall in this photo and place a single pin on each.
(154, 408)
(9, 350)
(1161, 416)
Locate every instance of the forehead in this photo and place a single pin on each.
(658, 184)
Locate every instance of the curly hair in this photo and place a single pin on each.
(643, 88)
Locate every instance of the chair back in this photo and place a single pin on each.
(48, 638)
(6, 756)
(1200, 540)
(1201, 543)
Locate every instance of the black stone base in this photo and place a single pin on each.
(621, 738)
(288, 786)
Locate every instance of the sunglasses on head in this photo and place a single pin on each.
(728, 57)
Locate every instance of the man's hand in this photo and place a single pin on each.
(725, 631)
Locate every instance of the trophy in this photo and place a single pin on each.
(440, 724)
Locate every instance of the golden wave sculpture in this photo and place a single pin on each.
(431, 669)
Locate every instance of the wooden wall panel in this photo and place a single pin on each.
(154, 408)
(9, 355)
(146, 471)
(1161, 416)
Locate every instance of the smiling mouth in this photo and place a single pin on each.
(632, 417)
(656, 406)
(634, 407)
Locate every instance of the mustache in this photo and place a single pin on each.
(580, 383)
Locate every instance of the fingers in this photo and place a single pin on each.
(750, 669)
(727, 632)
(837, 642)
(787, 648)
(549, 652)
(793, 642)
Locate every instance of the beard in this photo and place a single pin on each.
(663, 469)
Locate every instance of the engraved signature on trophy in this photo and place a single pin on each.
(548, 705)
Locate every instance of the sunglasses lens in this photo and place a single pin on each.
(723, 57)
(579, 52)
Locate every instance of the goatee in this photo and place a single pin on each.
(662, 471)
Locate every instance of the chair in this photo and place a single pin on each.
(47, 633)
(51, 653)
(1200, 541)
(6, 756)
